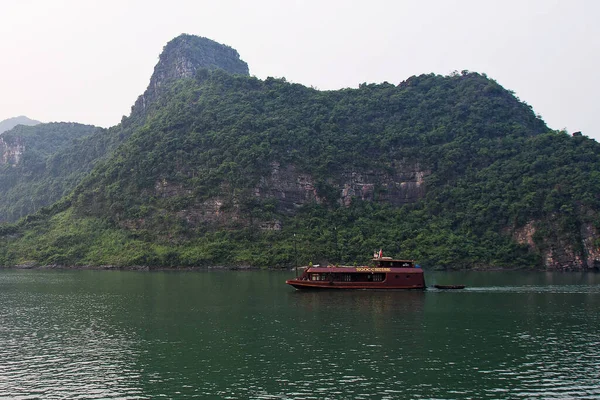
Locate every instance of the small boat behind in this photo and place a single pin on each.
(445, 287)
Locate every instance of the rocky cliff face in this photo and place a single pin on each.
(291, 189)
(403, 184)
(11, 152)
(557, 252)
(182, 57)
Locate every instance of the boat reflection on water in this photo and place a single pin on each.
(373, 302)
(362, 317)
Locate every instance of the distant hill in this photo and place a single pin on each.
(214, 167)
(10, 123)
(32, 173)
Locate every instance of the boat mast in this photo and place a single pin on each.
(295, 256)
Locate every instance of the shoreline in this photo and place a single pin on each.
(129, 268)
(148, 268)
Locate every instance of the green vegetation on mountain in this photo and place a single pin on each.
(194, 183)
(45, 170)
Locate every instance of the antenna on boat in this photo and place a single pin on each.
(337, 251)
(295, 256)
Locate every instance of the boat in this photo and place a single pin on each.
(449, 286)
(384, 273)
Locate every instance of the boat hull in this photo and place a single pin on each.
(308, 285)
(340, 278)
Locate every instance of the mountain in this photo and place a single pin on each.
(214, 167)
(10, 123)
(31, 174)
(53, 163)
(181, 58)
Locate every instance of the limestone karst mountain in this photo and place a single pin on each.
(214, 167)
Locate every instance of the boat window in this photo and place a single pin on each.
(375, 277)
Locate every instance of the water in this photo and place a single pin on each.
(120, 334)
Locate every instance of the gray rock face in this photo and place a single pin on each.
(292, 189)
(11, 152)
(405, 184)
(182, 57)
(560, 254)
(185, 54)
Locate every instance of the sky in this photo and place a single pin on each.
(87, 61)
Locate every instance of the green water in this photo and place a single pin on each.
(117, 334)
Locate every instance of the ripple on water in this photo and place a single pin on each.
(61, 351)
(535, 344)
(554, 289)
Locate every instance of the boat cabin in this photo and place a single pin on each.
(388, 262)
(384, 272)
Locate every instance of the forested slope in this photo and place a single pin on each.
(32, 171)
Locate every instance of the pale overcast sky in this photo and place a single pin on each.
(87, 61)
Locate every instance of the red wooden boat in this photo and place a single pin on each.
(386, 273)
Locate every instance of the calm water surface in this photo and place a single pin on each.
(116, 334)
